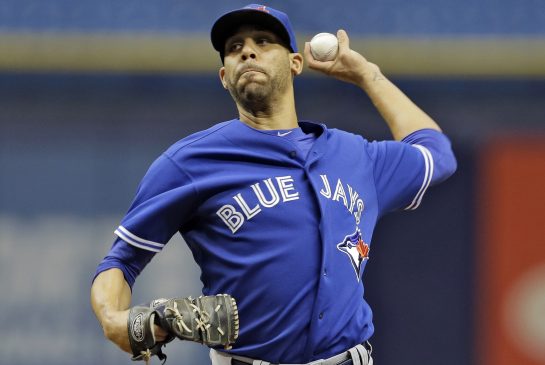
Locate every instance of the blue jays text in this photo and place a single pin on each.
(234, 218)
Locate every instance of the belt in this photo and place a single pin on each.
(357, 355)
(238, 362)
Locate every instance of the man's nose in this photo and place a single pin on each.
(248, 50)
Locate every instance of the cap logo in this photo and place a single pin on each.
(263, 8)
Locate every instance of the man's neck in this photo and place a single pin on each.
(269, 121)
(280, 116)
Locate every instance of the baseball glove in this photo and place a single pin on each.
(209, 320)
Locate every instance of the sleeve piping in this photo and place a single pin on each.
(428, 160)
(136, 241)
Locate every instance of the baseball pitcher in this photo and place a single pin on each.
(278, 212)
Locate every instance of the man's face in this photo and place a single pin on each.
(257, 67)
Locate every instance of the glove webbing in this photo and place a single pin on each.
(202, 318)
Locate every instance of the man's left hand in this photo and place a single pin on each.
(349, 65)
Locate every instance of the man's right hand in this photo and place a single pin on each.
(146, 339)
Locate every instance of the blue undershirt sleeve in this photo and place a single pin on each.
(129, 259)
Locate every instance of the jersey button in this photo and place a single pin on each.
(325, 272)
(293, 154)
(321, 315)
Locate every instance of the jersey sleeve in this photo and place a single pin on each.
(438, 144)
(402, 174)
(164, 201)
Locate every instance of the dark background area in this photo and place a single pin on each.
(76, 145)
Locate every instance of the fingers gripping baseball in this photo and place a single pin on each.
(349, 65)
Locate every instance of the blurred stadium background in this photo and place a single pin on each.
(92, 91)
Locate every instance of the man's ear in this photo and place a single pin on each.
(222, 77)
(296, 60)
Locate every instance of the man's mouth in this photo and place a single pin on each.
(251, 69)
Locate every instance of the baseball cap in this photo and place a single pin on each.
(264, 16)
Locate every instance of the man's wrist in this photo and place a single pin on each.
(370, 76)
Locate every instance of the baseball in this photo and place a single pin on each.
(324, 46)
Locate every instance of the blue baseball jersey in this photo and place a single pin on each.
(287, 233)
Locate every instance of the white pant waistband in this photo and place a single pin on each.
(359, 355)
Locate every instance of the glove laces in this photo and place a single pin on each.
(202, 318)
(179, 319)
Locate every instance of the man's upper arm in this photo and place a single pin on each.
(404, 170)
(165, 200)
(402, 174)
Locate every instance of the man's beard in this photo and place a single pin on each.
(259, 97)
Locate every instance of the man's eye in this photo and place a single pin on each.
(235, 47)
(263, 41)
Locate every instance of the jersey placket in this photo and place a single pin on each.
(318, 310)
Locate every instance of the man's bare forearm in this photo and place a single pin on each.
(402, 116)
(110, 299)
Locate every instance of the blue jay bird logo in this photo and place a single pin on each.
(357, 250)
